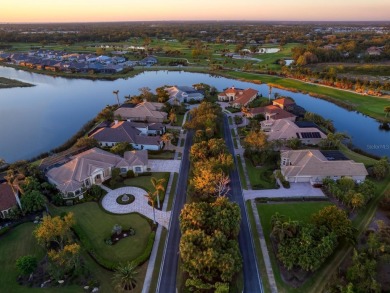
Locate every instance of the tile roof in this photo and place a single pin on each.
(125, 131)
(143, 111)
(286, 129)
(7, 197)
(272, 110)
(314, 163)
(283, 101)
(70, 176)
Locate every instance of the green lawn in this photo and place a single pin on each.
(97, 226)
(259, 253)
(260, 178)
(172, 192)
(179, 120)
(16, 243)
(296, 211)
(157, 266)
(230, 120)
(242, 174)
(164, 155)
(367, 161)
(369, 105)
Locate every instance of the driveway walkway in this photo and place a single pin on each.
(139, 205)
(295, 190)
(164, 165)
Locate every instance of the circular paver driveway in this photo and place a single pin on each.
(139, 205)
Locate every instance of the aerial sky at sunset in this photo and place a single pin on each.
(132, 10)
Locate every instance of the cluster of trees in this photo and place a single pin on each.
(208, 246)
(319, 120)
(380, 168)
(211, 165)
(205, 120)
(307, 245)
(353, 195)
(361, 274)
(63, 253)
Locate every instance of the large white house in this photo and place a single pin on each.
(314, 165)
(93, 167)
(145, 111)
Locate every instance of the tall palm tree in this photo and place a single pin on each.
(125, 277)
(158, 185)
(117, 97)
(151, 197)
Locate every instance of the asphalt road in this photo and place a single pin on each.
(252, 281)
(167, 278)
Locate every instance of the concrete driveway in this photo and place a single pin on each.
(295, 190)
(164, 165)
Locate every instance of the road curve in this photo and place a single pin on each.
(167, 277)
(252, 280)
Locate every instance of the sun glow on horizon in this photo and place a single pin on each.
(136, 10)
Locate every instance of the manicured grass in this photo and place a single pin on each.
(259, 254)
(295, 211)
(179, 120)
(164, 155)
(233, 110)
(97, 226)
(369, 105)
(260, 178)
(16, 243)
(145, 183)
(367, 161)
(172, 192)
(157, 266)
(230, 120)
(233, 132)
(242, 174)
(9, 83)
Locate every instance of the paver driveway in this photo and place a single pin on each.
(164, 165)
(139, 205)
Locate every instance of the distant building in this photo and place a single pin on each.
(136, 134)
(146, 111)
(183, 94)
(238, 97)
(374, 51)
(307, 132)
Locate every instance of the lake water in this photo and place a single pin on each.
(36, 119)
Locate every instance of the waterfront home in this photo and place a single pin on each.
(284, 103)
(314, 165)
(136, 134)
(93, 167)
(148, 61)
(8, 199)
(284, 129)
(183, 94)
(238, 97)
(145, 111)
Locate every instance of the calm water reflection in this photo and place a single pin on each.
(35, 120)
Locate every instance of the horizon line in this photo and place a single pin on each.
(191, 20)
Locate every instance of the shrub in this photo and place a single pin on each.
(26, 264)
(4, 230)
(385, 201)
(130, 174)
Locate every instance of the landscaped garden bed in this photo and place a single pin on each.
(118, 233)
(125, 199)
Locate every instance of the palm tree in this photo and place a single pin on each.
(158, 185)
(117, 97)
(167, 137)
(387, 110)
(125, 277)
(152, 199)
